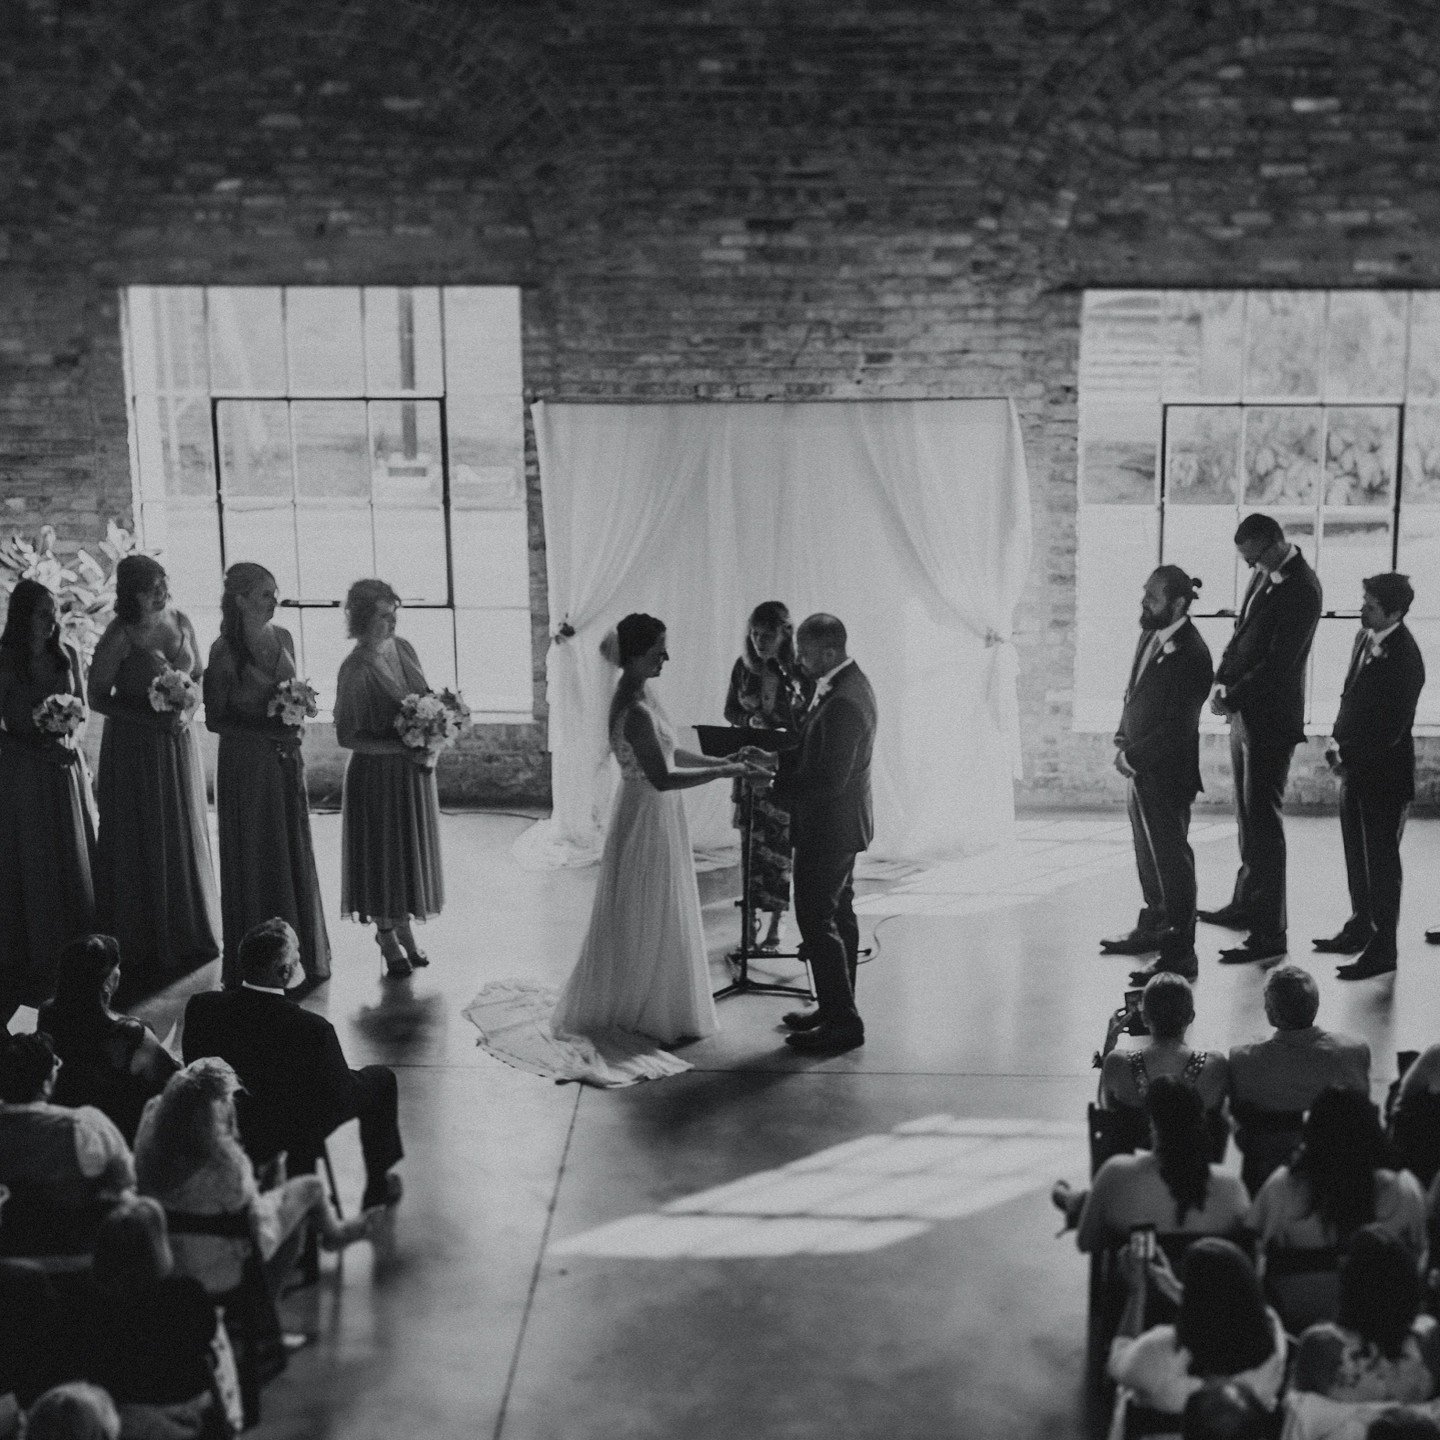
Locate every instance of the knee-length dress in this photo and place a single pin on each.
(390, 810)
(267, 856)
(154, 877)
(47, 837)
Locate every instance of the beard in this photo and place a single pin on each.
(1155, 622)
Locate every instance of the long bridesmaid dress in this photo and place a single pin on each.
(154, 880)
(267, 857)
(47, 839)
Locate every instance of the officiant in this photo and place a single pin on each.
(767, 691)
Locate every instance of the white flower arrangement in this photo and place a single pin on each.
(295, 701)
(59, 715)
(173, 692)
(432, 722)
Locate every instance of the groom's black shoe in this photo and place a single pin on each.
(802, 1019)
(1231, 917)
(829, 1039)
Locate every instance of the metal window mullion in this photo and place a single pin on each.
(219, 477)
(370, 488)
(1163, 499)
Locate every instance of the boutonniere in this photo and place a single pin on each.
(1277, 577)
(1168, 648)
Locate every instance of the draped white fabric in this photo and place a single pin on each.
(910, 520)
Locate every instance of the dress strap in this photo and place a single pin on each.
(1195, 1066)
(1138, 1073)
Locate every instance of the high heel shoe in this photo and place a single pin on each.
(360, 1227)
(413, 953)
(397, 965)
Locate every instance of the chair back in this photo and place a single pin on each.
(1302, 1283)
(1115, 1130)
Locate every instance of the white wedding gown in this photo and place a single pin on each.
(642, 979)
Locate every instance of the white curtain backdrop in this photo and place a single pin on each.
(910, 520)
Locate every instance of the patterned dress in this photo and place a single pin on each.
(773, 697)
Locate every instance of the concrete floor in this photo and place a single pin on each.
(533, 1288)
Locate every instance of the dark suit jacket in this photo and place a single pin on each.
(1159, 729)
(298, 1084)
(1377, 710)
(1263, 667)
(824, 781)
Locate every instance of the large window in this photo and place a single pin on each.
(1321, 408)
(332, 433)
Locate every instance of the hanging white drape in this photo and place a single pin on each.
(910, 520)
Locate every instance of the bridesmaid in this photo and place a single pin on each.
(154, 883)
(390, 814)
(47, 817)
(267, 859)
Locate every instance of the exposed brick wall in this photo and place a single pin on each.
(736, 200)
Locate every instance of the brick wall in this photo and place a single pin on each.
(736, 200)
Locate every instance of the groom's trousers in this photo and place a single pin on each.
(824, 894)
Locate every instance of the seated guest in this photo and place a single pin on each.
(1415, 1117)
(64, 1168)
(188, 1157)
(143, 1333)
(1172, 1187)
(31, 1351)
(1379, 1347)
(1274, 1081)
(1223, 1410)
(1167, 1006)
(75, 1411)
(298, 1087)
(1224, 1330)
(112, 1062)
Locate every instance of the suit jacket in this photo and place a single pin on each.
(1263, 667)
(298, 1085)
(824, 781)
(1159, 730)
(1377, 711)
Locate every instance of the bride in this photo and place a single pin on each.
(642, 980)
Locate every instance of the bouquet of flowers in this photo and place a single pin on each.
(295, 701)
(432, 722)
(173, 692)
(59, 715)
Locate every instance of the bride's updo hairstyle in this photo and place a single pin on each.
(633, 636)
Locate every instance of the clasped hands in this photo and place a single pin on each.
(756, 766)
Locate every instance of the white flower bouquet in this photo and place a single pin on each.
(59, 715)
(295, 701)
(173, 692)
(432, 722)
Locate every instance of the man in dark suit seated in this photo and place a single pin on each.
(1157, 750)
(1273, 1082)
(1373, 752)
(825, 785)
(298, 1086)
(1260, 686)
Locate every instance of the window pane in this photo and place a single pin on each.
(336, 547)
(167, 340)
(402, 340)
(176, 448)
(410, 552)
(323, 645)
(1203, 453)
(491, 550)
(1357, 544)
(263, 531)
(406, 466)
(482, 340)
(188, 539)
(1122, 342)
(1329, 660)
(1204, 343)
(1422, 454)
(432, 633)
(1282, 455)
(206, 620)
(330, 444)
(1120, 440)
(1284, 333)
(1427, 636)
(247, 341)
(487, 452)
(1201, 540)
(322, 324)
(1423, 381)
(1420, 559)
(1361, 448)
(1299, 527)
(1365, 351)
(495, 666)
(255, 448)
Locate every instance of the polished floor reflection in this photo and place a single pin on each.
(769, 1246)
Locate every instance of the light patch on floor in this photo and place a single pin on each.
(858, 1196)
(1043, 856)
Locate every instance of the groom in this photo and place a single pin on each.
(825, 784)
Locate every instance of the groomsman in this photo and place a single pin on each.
(1261, 688)
(1157, 750)
(1372, 751)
